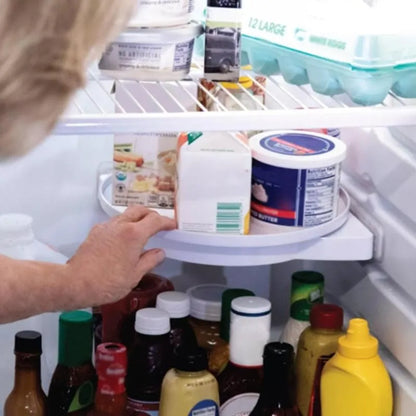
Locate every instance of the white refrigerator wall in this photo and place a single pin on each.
(56, 184)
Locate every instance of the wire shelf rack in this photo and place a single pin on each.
(108, 106)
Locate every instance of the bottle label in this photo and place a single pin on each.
(142, 408)
(84, 397)
(111, 385)
(303, 297)
(240, 405)
(205, 408)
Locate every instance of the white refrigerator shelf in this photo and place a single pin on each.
(344, 238)
(152, 107)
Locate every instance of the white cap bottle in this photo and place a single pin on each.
(240, 382)
(176, 304)
(149, 360)
(152, 321)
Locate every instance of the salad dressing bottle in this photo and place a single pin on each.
(189, 388)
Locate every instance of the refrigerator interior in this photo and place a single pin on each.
(368, 263)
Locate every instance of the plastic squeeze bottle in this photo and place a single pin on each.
(354, 381)
(189, 388)
(317, 344)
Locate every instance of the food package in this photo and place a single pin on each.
(144, 170)
(213, 183)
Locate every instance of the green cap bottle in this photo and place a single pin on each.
(307, 290)
(75, 338)
(227, 297)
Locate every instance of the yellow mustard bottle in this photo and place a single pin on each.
(189, 389)
(355, 381)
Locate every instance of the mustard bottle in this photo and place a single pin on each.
(355, 381)
(189, 388)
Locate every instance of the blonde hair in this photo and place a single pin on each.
(45, 48)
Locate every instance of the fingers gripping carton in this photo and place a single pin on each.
(213, 183)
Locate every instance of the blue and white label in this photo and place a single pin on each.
(297, 144)
(294, 197)
(205, 408)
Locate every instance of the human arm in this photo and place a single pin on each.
(109, 263)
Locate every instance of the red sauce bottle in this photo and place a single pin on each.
(111, 365)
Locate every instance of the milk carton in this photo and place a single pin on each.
(213, 183)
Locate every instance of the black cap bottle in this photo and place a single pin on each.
(277, 397)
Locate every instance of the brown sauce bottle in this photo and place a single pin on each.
(73, 384)
(27, 396)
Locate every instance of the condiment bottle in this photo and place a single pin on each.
(220, 354)
(277, 397)
(149, 360)
(177, 305)
(355, 380)
(118, 318)
(111, 365)
(307, 290)
(27, 396)
(73, 382)
(189, 388)
(317, 343)
(240, 382)
(206, 314)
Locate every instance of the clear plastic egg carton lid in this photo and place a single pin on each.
(335, 46)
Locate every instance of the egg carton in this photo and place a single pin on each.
(363, 86)
(335, 46)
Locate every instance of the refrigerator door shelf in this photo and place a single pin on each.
(344, 238)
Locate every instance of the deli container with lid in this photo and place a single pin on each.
(295, 178)
(160, 13)
(205, 314)
(151, 54)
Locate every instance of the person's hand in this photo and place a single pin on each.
(111, 261)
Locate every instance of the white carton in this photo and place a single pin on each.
(213, 183)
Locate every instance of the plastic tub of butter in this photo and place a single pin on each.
(150, 13)
(295, 178)
(151, 54)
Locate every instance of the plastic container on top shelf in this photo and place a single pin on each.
(151, 54)
(315, 42)
(162, 13)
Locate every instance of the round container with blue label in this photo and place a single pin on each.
(295, 178)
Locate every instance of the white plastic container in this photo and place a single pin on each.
(160, 13)
(17, 240)
(151, 54)
(295, 178)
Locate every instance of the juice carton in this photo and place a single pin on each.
(213, 183)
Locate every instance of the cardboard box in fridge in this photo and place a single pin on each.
(144, 170)
(213, 183)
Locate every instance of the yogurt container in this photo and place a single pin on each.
(160, 13)
(295, 178)
(151, 54)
